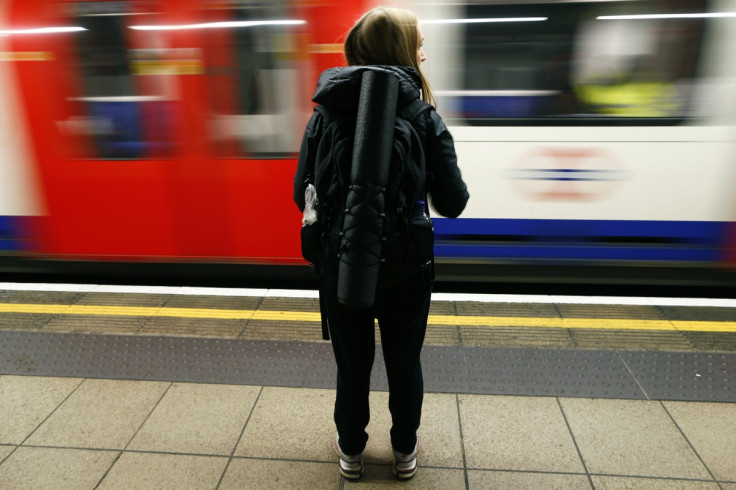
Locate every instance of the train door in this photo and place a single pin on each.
(253, 112)
(20, 203)
(102, 137)
(261, 65)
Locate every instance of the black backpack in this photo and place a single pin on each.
(405, 248)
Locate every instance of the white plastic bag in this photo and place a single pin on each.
(310, 205)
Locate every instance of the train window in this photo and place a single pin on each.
(580, 62)
(124, 116)
(252, 79)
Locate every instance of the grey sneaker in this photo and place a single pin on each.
(406, 464)
(350, 466)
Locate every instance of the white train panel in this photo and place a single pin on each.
(599, 180)
(19, 193)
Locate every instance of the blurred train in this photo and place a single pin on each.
(593, 135)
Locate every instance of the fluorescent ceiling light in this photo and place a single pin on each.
(481, 21)
(116, 14)
(667, 16)
(220, 25)
(42, 30)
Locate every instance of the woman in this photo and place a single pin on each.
(391, 38)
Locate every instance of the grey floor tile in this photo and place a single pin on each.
(382, 476)
(54, 468)
(5, 451)
(713, 314)
(41, 297)
(609, 311)
(379, 378)
(271, 303)
(124, 299)
(516, 337)
(441, 335)
(711, 429)
(517, 433)
(442, 307)
(210, 327)
(628, 483)
(526, 481)
(95, 324)
(100, 414)
(214, 302)
(630, 437)
(25, 401)
(378, 450)
(144, 471)
(273, 474)
(440, 443)
(24, 322)
(197, 418)
(649, 340)
(523, 310)
(286, 331)
(712, 341)
(289, 423)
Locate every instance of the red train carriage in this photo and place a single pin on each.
(169, 129)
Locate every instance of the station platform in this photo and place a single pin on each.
(110, 387)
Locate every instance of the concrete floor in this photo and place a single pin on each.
(81, 433)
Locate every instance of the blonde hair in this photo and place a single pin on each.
(387, 36)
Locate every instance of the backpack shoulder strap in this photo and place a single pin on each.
(329, 125)
(413, 109)
(410, 113)
(324, 112)
(309, 177)
(409, 182)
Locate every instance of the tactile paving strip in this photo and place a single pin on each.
(685, 375)
(506, 371)
(449, 369)
(589, 373)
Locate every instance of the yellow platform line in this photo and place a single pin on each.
(306, 316)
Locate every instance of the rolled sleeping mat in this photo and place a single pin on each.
(362, 229)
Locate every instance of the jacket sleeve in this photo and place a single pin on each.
(307, 156)
(446, 187)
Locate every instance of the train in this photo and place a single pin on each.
(596, 137)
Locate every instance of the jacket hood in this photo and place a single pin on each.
(339, 88)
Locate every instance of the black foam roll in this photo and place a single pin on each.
(374, 127)
(363, 224)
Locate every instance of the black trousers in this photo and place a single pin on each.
(401, 310)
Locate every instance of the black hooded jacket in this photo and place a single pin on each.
(338, 89)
